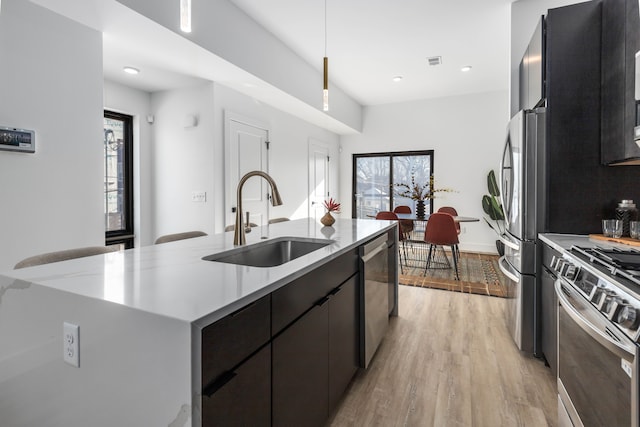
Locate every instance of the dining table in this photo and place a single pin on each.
(456, 218)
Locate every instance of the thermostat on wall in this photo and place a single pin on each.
(14, 139)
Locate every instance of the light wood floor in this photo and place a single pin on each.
(448, 360)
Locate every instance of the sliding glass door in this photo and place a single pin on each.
(375, 176)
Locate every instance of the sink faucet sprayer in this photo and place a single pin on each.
(239, 237)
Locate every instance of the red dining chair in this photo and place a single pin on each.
(387, 215)
(406, 225)
(451, 211)
(441, 231)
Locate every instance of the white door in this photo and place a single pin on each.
(318, 178)
(247, 150)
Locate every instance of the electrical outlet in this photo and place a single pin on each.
(463, 230)
(199, 196)
(71, 344)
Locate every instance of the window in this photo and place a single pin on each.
(118, 181)
(374, 176)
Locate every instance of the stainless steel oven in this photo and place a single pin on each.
(597, 349)
(597, 365)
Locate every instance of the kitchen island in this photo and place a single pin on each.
(141, 315)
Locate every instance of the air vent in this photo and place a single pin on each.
(435, 60)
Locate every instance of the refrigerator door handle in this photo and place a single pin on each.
(506, 270)
(508, 242)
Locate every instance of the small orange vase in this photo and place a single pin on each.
(327, 220)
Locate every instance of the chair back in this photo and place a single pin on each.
(402, 209)
(441, 230)
(386, 215)
(449, 210)
(179, 236)
(65, 255)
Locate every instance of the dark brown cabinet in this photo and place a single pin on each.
(243, 396)
(532, 90)
(287, 358)
(301, 370)
(236, 367)
(315, 358)
(344, 349)
(620, 42)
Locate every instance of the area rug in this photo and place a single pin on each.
(479, 274)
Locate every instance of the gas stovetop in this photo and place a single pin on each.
(623, 263)
(610, 279)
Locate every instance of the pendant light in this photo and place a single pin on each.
(185, 15)
(325, 87)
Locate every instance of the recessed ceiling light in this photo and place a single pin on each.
(131, 70)
(397, 78)
(466, 68)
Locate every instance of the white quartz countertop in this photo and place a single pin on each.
(172, 280)
(562, 242)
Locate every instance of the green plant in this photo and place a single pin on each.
(491, 205)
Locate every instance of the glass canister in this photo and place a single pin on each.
(626, 211)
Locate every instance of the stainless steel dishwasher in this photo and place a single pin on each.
(374, 296)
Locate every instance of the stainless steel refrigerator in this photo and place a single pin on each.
(523, 193)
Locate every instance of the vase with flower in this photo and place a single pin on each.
(331, 206)
(419, 192)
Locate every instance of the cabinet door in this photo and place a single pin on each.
(300, 371)
(241, 397)
(249, 328)
(344, 339)
(549, 320)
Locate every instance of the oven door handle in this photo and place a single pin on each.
(507, 271)
(623, 351)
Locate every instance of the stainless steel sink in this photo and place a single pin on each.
(270, 253)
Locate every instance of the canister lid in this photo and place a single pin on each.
(627, 204)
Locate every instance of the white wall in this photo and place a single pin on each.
(136, 103)
(172, 161)
(467, 136)
(51, 82)
(525, 15)
(183, 159)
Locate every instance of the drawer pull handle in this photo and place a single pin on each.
(218, 383)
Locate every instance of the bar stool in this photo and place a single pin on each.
(51, 257)
(179, 236)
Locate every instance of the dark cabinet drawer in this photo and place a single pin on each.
(243, 397)
(232, 339)
(294, 299)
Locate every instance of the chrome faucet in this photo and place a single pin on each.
(239, 237)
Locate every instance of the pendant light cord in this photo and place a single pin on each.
(325, 27)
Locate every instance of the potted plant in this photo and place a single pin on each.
(493, 208)
(331, 206)
(419, 192)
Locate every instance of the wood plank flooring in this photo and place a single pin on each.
(448, 360)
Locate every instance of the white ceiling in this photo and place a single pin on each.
(368, 43)
(371, 41)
